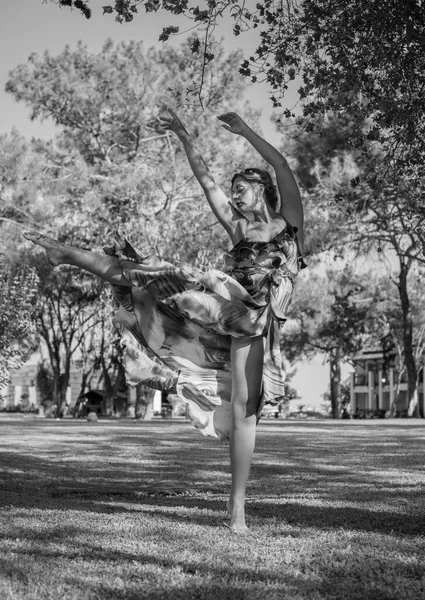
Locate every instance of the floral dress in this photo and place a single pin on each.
(177, 321)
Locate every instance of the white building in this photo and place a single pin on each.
(373, 385)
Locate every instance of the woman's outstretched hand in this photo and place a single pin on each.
(173, 123)
(233, 123)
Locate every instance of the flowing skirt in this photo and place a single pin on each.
(176, 324)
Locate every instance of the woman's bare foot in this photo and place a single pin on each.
(55, 251)
(236, 511)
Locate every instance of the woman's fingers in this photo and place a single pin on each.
(232, 122)
(174, 118)
(227, 117)
(171, 120)
(173, 123)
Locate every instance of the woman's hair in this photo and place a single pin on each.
(254, 175)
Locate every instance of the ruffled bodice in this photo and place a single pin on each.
(262, 267)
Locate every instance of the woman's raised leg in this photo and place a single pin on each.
(247, 356)
(106, 267)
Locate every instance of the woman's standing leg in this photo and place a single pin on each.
(247, 356)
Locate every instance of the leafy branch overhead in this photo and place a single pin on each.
(359, 57)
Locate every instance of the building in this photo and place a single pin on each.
(373, 385)
(23, 394)
(22, 390)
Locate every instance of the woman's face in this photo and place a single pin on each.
(244, 196)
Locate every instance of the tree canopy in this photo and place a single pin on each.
(359, 57)
(111, 167)
(114, 167)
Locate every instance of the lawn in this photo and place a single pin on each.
(127, 510)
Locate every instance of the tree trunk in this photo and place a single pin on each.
(413, 410)
(111, 389)
(393, 407)
(45, 387)
(335, 381)
(108, 401)
(144, 402)
(56, 390)
(60, 389)
(409, 355)
(86, 378)
(63, 382)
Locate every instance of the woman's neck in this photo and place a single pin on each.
(262, 215)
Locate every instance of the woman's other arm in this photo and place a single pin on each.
(217, 199)
(291, 205)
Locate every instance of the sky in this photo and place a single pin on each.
(28, 26)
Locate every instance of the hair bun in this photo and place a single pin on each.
(254, 175)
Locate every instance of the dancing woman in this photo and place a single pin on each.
(210, 336)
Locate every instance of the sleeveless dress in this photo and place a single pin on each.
(176, 322)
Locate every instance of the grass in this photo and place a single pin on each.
(134, 511)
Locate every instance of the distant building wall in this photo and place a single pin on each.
(23, 388)
(373, 385)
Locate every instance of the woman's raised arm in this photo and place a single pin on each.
(291, 205)
(216, 197)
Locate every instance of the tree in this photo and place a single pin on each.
(395, 239)
(108, 104)
(331, 314)
(112, 168)
(17, 298)
(354, 57)
(99, 355)
(33, 195)
(347, 216)
(390, 328)
(67, 310)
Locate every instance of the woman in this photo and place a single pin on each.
(212, 337)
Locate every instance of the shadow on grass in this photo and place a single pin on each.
(304, 474)
(64, 485)
(184, 577)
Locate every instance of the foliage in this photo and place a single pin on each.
(134, 176)
(361, 59)
(79, 5)
(99, 357)
(17, 297)
(401, 331)
(392, 227)
(67, 310)
(344, 400)
(331, 314)
(384, 228)
(113, 167)
(355, 57)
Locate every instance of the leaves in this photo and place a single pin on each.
(17, 299)
(83, 7)
(195, 45)
(113, 167)
(166, 32)
(359, 58)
